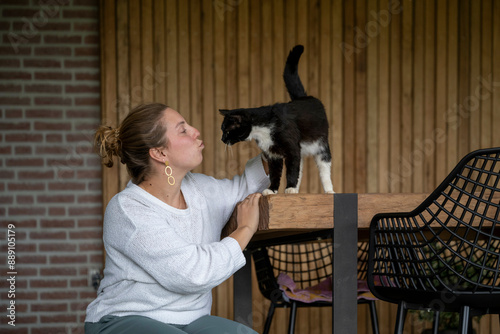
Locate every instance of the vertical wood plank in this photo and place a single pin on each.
(408, 90)
(195, 68)
(337, 96)
(372, 30)
(385, 176)
(486, 129)
(183, 56)
(471, 102)
(452, 120)
(464, 68)
(172, 61)
(149, 72)
(495, 77)
(428, 146)
(159, 52)
(210, 131)
(135, 70)
(441, 89)
(415, 159)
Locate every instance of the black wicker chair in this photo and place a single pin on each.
(307, 259)
(445, 254)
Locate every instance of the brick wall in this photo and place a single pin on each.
(50, 180)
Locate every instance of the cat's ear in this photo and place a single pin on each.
(224, 112)
(230, 113)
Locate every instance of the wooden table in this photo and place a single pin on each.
(349, 215)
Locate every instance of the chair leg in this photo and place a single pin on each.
(435, 323)
(269, 319)
(401, 316)
(293, 314)
(374, 317)
(464, 320)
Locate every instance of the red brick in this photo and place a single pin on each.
(52, 247)
(47, 174)
(88, 101)
(19, 12)
(88, 76)
(45, 283)
(89, 174)
(47, 307)
(69, 63)
(92, 39)
(59, 318)
(49, 26)
(82, 113)
(6, 199)
(10, 88)
(26, 211)
(15, 39)
(23, 137)
(58, 271)
(56, 126)
(30, 259)
(14, 126)
(45, 235)
(6, 174)
(25, 199)
(58, 39)
(85, 26)
(55, 199)
(10, 63)
(80, 13)
(87, 51)
(90, 222)
(51, 330)
(91, 247)
(85, 235)
(44, 113)
(43, 88)
(82, 89)
(52, 51)
(85, 211)
(6, 150)
(10, 51)
(43, 63)
(51, 150)
(57, 211)
(64, 259)
(29, 223)
(79, 283)
(15, 100)
(11, 75)
(53, 100)
(25, 162)
(23, 150)
(59, 223)
(26, 295)
(54, 138)
(52, 76)
(53, 295)
(14, 113)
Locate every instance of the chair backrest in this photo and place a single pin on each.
(450, 243)
(307, 259)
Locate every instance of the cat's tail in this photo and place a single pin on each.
(291, 76)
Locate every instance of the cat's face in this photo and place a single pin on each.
(235, 127)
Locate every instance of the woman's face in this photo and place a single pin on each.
(184, 148)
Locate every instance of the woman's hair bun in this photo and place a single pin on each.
(107, 144)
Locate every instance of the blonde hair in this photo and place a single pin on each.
(140, 131)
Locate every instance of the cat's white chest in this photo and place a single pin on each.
(262, 136)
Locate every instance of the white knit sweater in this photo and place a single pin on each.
(162, 262)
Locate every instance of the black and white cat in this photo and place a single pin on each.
(285, 131)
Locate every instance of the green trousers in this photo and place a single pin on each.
(135, 324)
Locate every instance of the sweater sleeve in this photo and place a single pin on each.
(253, 179)
(180, 266)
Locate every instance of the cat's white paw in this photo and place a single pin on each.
(291, 191)
(330, 192)
(269, 192)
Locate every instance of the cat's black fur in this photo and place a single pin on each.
(285, 131)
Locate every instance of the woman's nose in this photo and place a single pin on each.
(196, 133)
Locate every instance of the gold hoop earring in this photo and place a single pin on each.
(168, 172)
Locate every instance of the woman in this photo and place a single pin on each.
(162, 233)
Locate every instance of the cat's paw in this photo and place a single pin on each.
(330, 192)
(269, 192)
(291, 191)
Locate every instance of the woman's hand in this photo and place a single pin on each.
(248, 212)
(248, 219)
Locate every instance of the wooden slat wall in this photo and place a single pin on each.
(409, 87)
